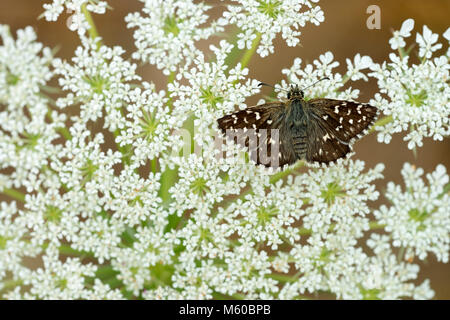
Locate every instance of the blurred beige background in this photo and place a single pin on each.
(344, 32)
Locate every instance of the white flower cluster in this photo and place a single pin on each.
(102, 200)
(323, 67)
(99, 80)
(167, 32)
(77, 20)
(267, 18)
(213, 89)
(416, 96)
(27, 126)
(418, 219)
(350, 273)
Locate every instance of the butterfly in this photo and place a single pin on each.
(318, 130)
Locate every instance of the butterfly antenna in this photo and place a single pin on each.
(268, 85)
(324, 78)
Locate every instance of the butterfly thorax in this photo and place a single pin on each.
(295, 115)
(295, 107)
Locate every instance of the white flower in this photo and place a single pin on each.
(397, 41)
(75, 7)
(57, 279)
(419, 217)
(306, 76)
(20, 82)
(427, 43)
(13, 247)
(446, 35)
(417, 94)
(122, 191)
(213, 90)
(27, 128)
(102, 291)
(166, 35)
(98, 79)
(150, 127)
(360, 63)
(337, 195)
(267, 18)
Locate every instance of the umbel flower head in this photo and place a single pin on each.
(418, 218)
(415, 95)
(263, 20)
(121, 189)
(166, 35)
(76, 8)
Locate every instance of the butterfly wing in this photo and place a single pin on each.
(255, 117)
(322, 146)
(345, 119)
(265, 116)
(334, 126)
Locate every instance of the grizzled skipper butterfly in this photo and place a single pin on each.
(319, 130)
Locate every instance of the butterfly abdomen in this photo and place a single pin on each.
(300, 144)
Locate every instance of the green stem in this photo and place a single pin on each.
(249, 53)
(344, 81)
(401, 52)
(220, 296)
(92, 28)
(381, 122)
(64, 132)
(401, 253)
(14, 194)
(154, 164)
(282, 277)
(233, 57)
(68, 250)
(280, 175)
(10, 284)
(304, 231)
(375, 225)
(170, 79)
(446, 190)
(169, 176)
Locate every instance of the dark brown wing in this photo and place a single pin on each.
(336, 124)
(323, 146)
(261, 120)
(256, 117)
(345, 119)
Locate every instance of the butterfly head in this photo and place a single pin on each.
(295, 93)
